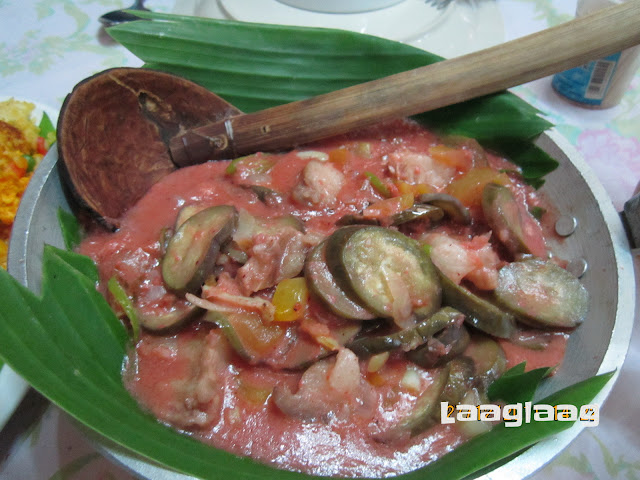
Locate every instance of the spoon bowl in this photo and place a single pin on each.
(114, 132)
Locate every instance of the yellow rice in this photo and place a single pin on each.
(18, 137)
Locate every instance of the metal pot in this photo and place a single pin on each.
(599, 345)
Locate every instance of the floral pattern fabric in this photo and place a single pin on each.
(47, 45)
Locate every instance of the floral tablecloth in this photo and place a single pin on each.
(47, 46)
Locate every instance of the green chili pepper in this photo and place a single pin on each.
(378, 185)
(127, 305)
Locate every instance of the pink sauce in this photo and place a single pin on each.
(193, 379)
(249, 424)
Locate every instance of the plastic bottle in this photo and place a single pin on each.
(600, 83)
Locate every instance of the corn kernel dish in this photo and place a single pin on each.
(22, 146)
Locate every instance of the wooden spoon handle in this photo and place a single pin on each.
(427, 88)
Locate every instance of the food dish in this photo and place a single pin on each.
(299, 288)
(12, 386)
(314, 266)
(588, 436)
(603, 228)
(89, 420)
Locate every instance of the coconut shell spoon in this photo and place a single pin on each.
(122, 130)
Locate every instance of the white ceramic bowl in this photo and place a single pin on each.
(340, 6)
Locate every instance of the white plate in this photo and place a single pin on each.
(12, 386)
(460, 28)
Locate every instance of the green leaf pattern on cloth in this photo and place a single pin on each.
(547, 11)
(19, 57)
(599, 462)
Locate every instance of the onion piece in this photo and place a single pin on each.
(231, 303)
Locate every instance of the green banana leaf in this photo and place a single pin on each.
(517, 386)
(70, 346)
(256, 66)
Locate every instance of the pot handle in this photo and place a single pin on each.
(631, 220)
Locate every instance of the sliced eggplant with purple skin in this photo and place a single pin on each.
(186, 212)
(511, 222)
(383, 270)
(445, 345)
(407, 339)
(450, 205)
(427, 408)
(266, 195)
(479, 312)
(164, 238)
(356, 219)
(181, 311)
(192, 252)
(451, 383)
(489, 360)
(322, 283)
(303, 353)
(250, 226)
(460, 380)
(425, 413)
(542, 294)
(416, 212)
(179, 315)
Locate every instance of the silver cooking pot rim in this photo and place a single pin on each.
(598, 346)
